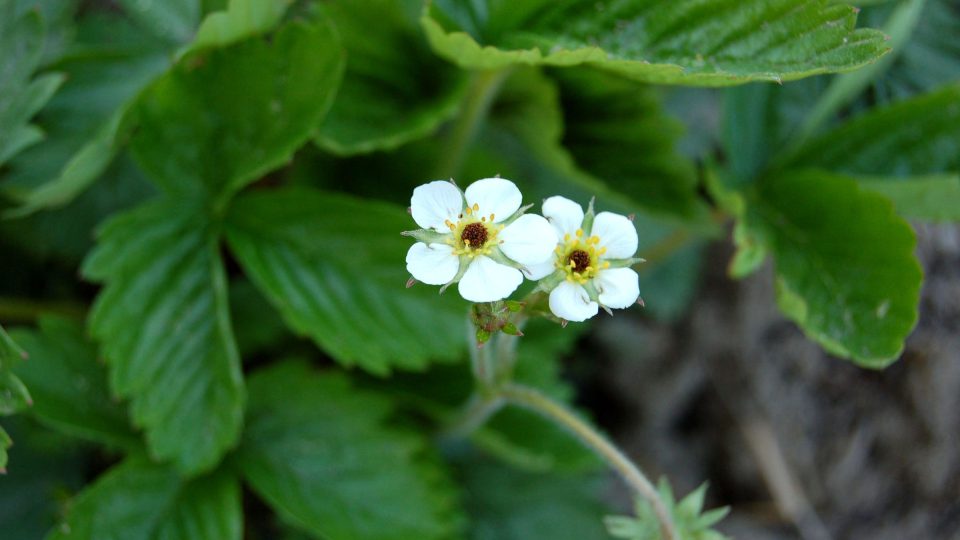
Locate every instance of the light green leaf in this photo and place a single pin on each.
(713, 43)
(333, 266)
(616, 130)
(933, 197)
(21, 94)
(5, 443)
(845, 267)
(85, 121)
(506, 504)
(13, 394)
(326, 457)
(164, 323)
(69, 385)
(910, 138)
(241, 19)
(173, 20)
(691, 522)
(221, 118)
(141, 501)
(395, 89)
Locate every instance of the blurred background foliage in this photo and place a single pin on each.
(234, 174)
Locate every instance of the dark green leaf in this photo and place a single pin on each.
(21, 94)
(138, 500)
(42, 466)
(85, 121)
(69, 385)
(241, 19)
(164, 323)
(692, 42)
(326, 459)
(506, 504)
(845, 88)
(173, 20)
(616, 130)
(930, 59)
(333, 266)
(749, 131)
(394, 89)
(845, 267)
(915, 137)
(221, 118)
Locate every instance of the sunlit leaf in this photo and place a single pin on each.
(713, 43)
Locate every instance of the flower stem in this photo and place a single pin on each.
(476, 413)
(483, 88)
(537, 402)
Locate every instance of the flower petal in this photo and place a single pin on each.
(434, 203)
(617, 234)
(434, 264)
(528, 240)
(540, 270)
(564, 214)
(497, 196)
(488, 281)
(618, 287)
(570, 301)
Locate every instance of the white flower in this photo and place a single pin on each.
(589, 268)
(479, 238)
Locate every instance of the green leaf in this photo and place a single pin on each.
(616, 130)
(164, 323)
(845, 88)
(929, 59)
(749, 131)
(21, 94)
(69, 385)
(506, 504)
(173, 20)
(5, 443)
(43, 465)
(914, 137)
(691, 522)
(333, 266)
(713, 43)
(933, 197)
(395, 89)
(13, 394)
(137, 500)
(221, 118)
(326, 458)
(86, 120)
(845, 267)
(241, 19)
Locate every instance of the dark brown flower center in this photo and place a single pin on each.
(580, 260)
(474, 235)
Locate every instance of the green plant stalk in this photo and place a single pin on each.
(533, 400)
(484, 87)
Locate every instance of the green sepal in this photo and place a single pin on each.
(427, 236)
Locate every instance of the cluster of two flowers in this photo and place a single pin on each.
(482, 240)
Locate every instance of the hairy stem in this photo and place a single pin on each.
(483, 89)
(537, 402)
